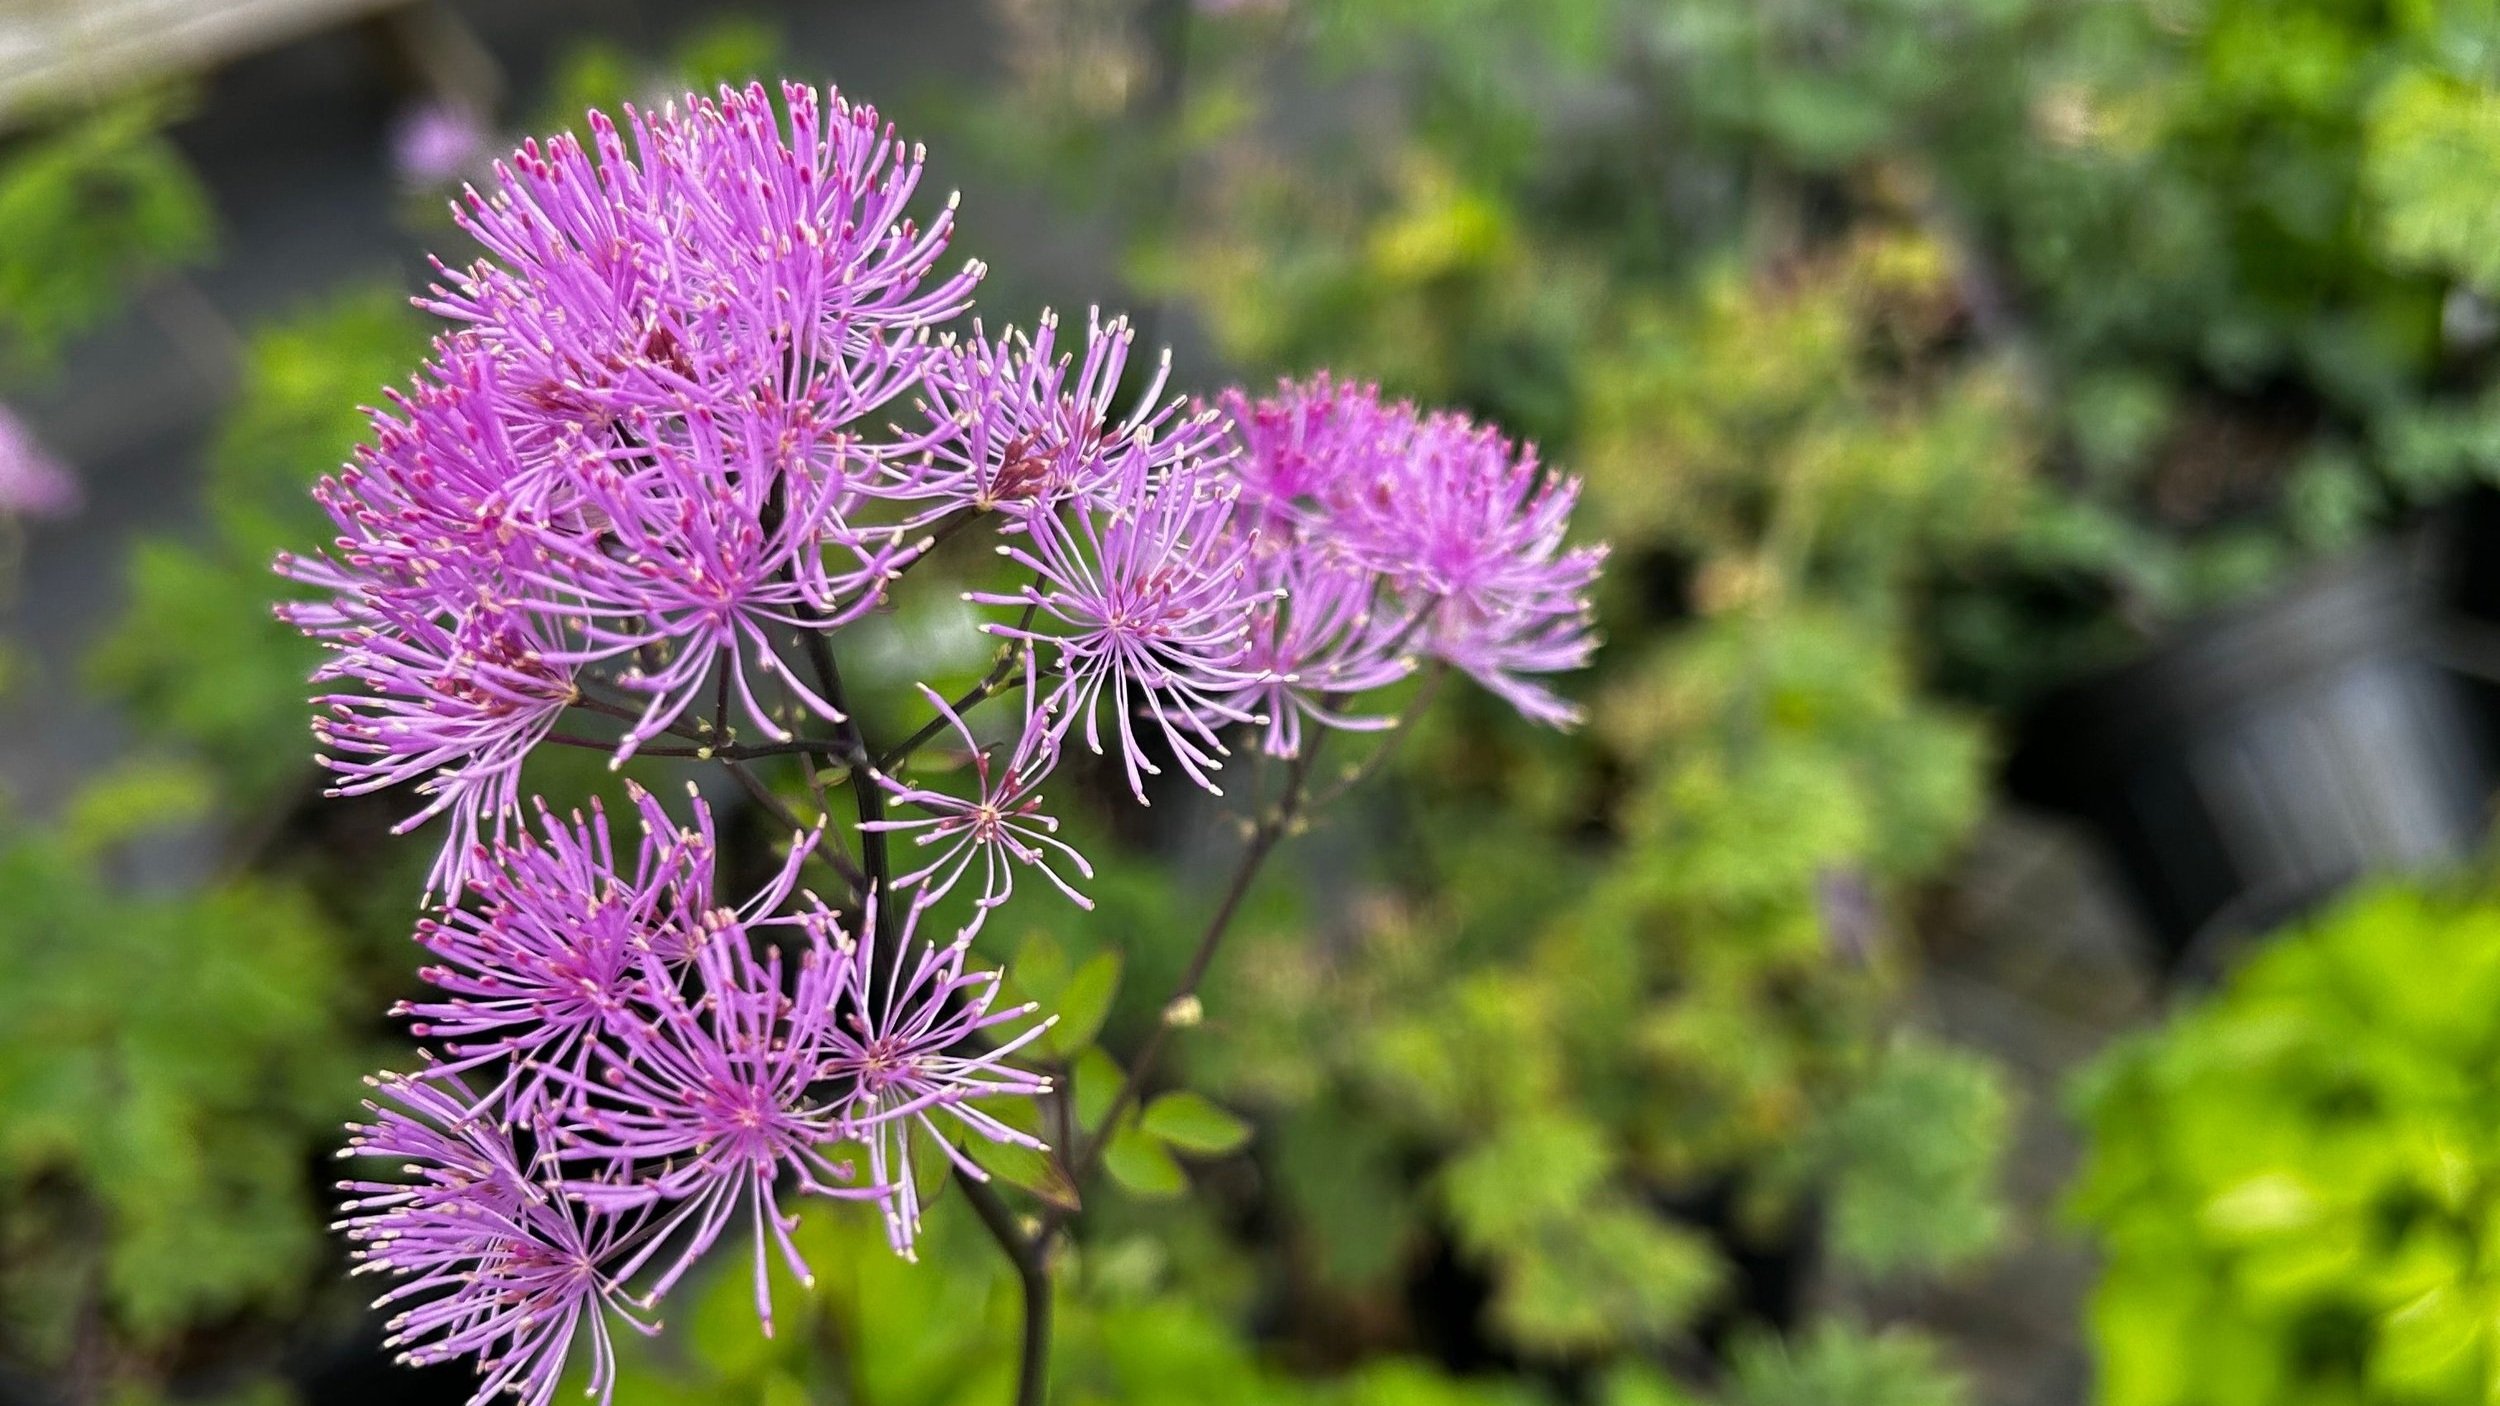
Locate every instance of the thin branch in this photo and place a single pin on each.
(1271, 827)
(613, 709)
(824, 806)
(773, 805)
(1399, 727)
(1030, 1256)
(866, 791)
(948, 526)
(739, 752)
(1000, 679)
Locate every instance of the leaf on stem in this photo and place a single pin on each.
(1138, 1162)
(1193, 1123)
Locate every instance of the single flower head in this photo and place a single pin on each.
(1143, 602)
(704, 1103)
(999, 827)
(1327, 633)
(1303, 452)
(1460, 523)
(452, 703)
(492, 1263)
(1020, 426)
(914, 1043)
(696, 550)
(709, 252)
(1475, 529)
(553, 952)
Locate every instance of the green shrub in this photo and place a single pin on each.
(2296, 1185)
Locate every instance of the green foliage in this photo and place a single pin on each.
(171, 1061)
(164, 1060)
(2292, 1185)
(2204, 247)
(1836, 1363)
(1774, 414)
(1079, 996)
(197, 657)
(1840, 1363)
(1583, 1039)
(95, 206)
(1664, 976)
(1142, 1164)
(2433, 154)
(1191, 1123)
(1911, 1160)
(1586, 1027)
(1583, 1265)
(879, 1332)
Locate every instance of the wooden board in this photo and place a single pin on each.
(51, 49)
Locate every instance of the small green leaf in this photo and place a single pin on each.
(1140, 1164)
(1097, 1078)
(1030, 1170)
(1194, 1124)
(1039, 969)
(1083, 1004)
(1027, 1168)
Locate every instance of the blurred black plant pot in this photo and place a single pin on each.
(2267, 756)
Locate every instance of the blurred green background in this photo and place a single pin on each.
(2015, 929)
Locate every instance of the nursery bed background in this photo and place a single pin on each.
(2014, 928)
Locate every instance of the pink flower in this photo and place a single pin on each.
(453, 705)
(1143, 600)
(33, 484)
(906, 1051)
(492, 1263)
(1328, 634)
(1018, 425)
(999, 827)
(556, 952)
(435, 143)
(1461, 525)
(704, 1103)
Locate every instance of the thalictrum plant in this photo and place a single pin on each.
(709, 400)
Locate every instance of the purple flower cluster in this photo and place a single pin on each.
(704, 401)
(639, 464)
(667, 1068)
(1387, 535)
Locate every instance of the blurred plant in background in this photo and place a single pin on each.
(196, 670)
(170, 1052)
(2224, 251)
(1921, 354)
(171, 1049)
(99, 205)
(2294, 1182)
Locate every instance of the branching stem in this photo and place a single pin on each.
(1271, 827)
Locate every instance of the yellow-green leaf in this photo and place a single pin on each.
(1028, 1168)
(1194, 1124)
(1082, 1005)
(1097, 1080)
(1139, 1163)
